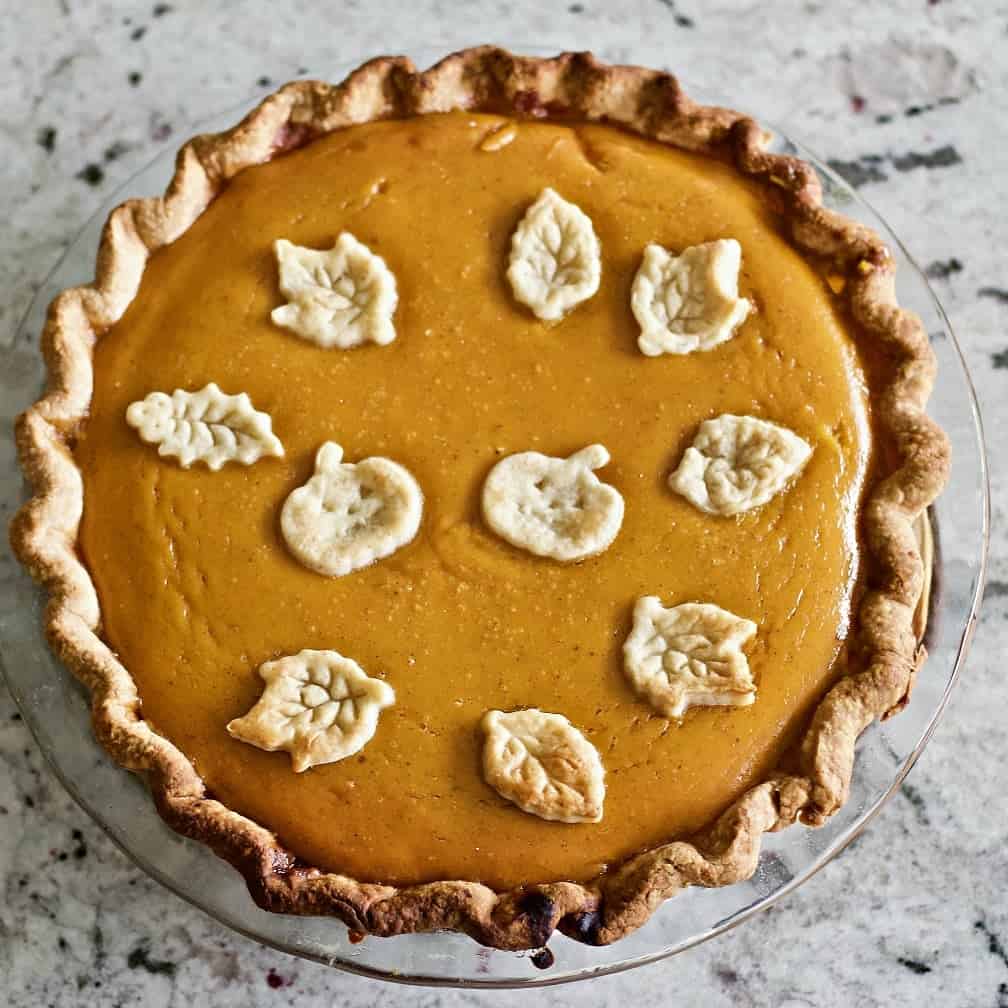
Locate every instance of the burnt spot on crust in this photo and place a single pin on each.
(543, 959)
(537, 909)
(583, 927)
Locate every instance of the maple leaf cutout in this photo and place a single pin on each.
(688, 302)
(556, 260)
(318, 706)
(342, 297)
(205, 426)
(737, 463)
(544, 765)
(688, 655)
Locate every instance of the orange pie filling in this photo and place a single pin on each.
(198, 587)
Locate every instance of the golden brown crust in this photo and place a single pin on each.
(575, 85)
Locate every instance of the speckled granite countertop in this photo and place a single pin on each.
(908, 100)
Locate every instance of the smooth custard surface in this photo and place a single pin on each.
(197, 588)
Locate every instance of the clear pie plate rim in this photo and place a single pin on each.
(47, 694)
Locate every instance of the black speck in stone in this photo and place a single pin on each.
(112, 152)
(914, 966)
(47, 139)
(882, 119)
(916, 110)
(943, 269)
(15, 716)
(683, 21)
(161, 9)
(29, 801)
(1002, 1001)
(576, 8)
(138, 33)
(999, 360)
(301, 71)
(996, 589)
(22, 882)
(62, 856)
(941, 157)
(727, 976)
(994, 945)
(264, 81)
(859, 172)
(62, 942)
(92, 174)
(140, 958)
(134, 78)
(949, 100)
(997, 293)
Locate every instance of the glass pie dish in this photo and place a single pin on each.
(56, 710)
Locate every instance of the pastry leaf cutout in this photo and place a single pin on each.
(688, 302)
(544, 765)
(205, 426)
(341, 298)
(688, 655)
(737, 463)
(317, 705)
(556, 260)
(347, 515)
(553, 507)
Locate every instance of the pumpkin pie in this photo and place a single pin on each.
(485, 498)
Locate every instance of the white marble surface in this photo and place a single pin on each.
(909, 98)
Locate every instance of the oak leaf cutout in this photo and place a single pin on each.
(688, 655)
(206, 426)
(690, 301)
(317, 705)
(342, 297)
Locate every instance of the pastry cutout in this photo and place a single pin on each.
(341, 298)
(349, 515)
(556, 260)
(688, 302)
(205, 426)
(544, 765)
(318, 706)
(553, 507)
(689, 655)
(737, 463)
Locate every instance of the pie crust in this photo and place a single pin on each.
(888, 624)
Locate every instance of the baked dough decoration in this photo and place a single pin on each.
(544, 765)
(690, 301)
(737, 463)
(553, 507)
(318, 706)
(205, 426)
(556, 260)
(349, 515)
(341, 298)
(688, 655)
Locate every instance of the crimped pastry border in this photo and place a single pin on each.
(571, 85)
